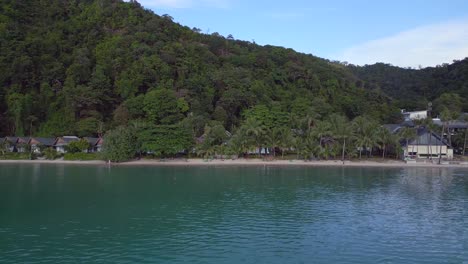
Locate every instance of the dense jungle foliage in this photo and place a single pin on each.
(413, 89)
(86, 67)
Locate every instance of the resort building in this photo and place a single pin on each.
(454, 126)
(94, 143)
(37, 142)
(427, 145)
(61, 143)
(415, 115)
(11, 143)
(22, 144)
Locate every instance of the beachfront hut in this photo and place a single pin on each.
(427, 144)
(61, 143)
(11, 143)
(94, 143)
(37, 142)
(22, 144)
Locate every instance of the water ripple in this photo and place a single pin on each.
(234, 215)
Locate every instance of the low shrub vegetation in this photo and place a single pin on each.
(17, 156)
(50, 154)
(80, 156)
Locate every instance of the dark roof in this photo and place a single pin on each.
(91, 140)
(452, 124)
(45, 141)
(423, 137)
(12, 140)
(24, 139)
(66, 140)
(69, 139)
(393, 128)
(407, 123)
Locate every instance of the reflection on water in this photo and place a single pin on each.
(265, 214)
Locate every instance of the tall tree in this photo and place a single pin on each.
(364, 130)
(465, 118)
(340, 128)
(161, 107)
(119, 144)
(407, 133)
(256, 131)
(286, 140)
(384, 139)
(445, 117)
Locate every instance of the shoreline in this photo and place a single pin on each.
(245, 162)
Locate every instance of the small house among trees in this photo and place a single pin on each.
(11, 143)
(62, 142)
(22, 144)
(95, 144)
(38, 144)
(426, 144)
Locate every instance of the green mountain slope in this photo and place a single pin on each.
(83, 67)
(413, 89)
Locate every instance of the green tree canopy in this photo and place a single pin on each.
(162, 107)
(166, 140)
(120, 144)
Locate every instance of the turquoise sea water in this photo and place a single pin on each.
(94, 214)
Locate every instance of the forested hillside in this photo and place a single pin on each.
(414, 89)
(83, 67)
(98, 67)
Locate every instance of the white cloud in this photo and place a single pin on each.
(183, 3)
(426, 46)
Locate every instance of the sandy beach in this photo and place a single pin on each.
(243, 162)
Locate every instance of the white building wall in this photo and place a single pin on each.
(60, 149)
(418, 115)
(423, 150)
(415, 115)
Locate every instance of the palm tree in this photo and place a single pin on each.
(286, 140)
(298, 144)
(444, 118)
(273, 138)
(255, 130)
(238, 144)
(309, 146)
(359, 124)
(365, 132)
(309, 120)
(384, 138)
(407, 133)
(31, 120)
(465, 118)
(321, 130)
(293, 120)
(341, 130)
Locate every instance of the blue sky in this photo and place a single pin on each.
(404, 33)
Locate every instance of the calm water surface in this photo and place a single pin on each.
(83, 214)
